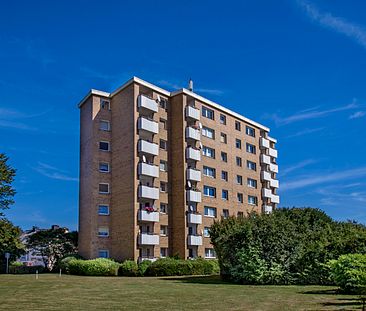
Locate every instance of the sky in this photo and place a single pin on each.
(295, 66)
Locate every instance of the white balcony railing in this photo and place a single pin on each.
(193, 196)
(143, 258)
(146, 192)
(193, 218)
(193, 154)
(192, 113)
(148, 169)
(194, 240)
(193, 133)
(147, 103)
(266, 176)
(148, 125)
(265, 159)
(148, 216)
(267, 209)
(273, 152)
(148, 239)
(264, 142)
(273, 168)
(267, 193)
(147, 147)
(275, 198)
(193, 174)
(274, 183)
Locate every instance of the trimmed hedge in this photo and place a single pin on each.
(128, 268)
(143, 266)
(171, 267)
(64, 262)
(349, 273)
(25, 269)
(94, 267)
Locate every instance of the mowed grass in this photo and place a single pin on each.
(50, 292)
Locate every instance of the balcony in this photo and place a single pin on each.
(193, 218)
(274, 183)
(146, 192)
(273, 168)
(148, 125)
(275, 198)
(273, 152)
(192, 113)
(194, 240)
(267, 209)
(147, 103)
(192, 133)
(148, 239)
(193, 196)
(264, 143)
(147, 147)
(148, 216)
(193, 174)
(267, 193)
(266, 176)
(193, 154)
(265, 159)
(143, 258)
(148, 170)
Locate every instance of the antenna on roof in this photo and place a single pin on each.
(190, 85)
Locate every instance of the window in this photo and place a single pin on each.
(103, 167)
(225, 213)
(224, 156)
(163, 230)
(208, 113)
(207, 132)
(250, 131)
(239, 179)
(206, 232)
(238, 143)
(163, 252)
(225, 195)
(208, 152)
(252, 183)
(210, 211)
(252, 200)
(103, 253)
(251, 165)
(222, 119)
(163, 187)
(105, 104)
(223, 138)
(163, 208)
(103, 209)
(251, 148)
(103, 231)
(163, 144)
(209, 171)
(209, 191)
(103, 188)
(240, 214)
(237, 125)
(104, 125)
(104, 145)
(210, 253)
(224, 175)
(240, 197)
(163, 165)
(163, 103)
(163, 124)
(238, 161)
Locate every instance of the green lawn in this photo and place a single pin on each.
(49, 292)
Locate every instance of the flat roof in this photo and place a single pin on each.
(170, 94)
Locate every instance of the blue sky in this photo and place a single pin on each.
(296, 66)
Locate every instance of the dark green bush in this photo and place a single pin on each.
(128, 268)
(171, 266)
(143, 266)
(25, 269)
(349, 273)
(94, 267)
(63, 264)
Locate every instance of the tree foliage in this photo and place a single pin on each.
(290, 246)
(53, 245)
(7, 175)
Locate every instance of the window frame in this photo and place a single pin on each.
(209, 188)
(102, 192)
(103, 214)
(105, 142)
(206, 112)
(108, 166)
(105, 122)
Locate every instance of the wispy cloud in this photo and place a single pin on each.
(53, 172)
(297, 166)
(338, 24)
(14, 119)
(306, 131)
(322, 178)
(210, 91)
(309, 115)
(16, 125)
(177, 86)
(357, 115)
(340, 194)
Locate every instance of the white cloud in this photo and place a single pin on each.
(176, 86)
(357, 115)
(305, 132)
(53, 172)
(338, 24)
(296, 166)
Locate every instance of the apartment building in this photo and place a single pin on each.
(157, 168)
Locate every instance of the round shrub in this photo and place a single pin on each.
(128, 268)
(143, 266)
(94, 267)
(64, 263)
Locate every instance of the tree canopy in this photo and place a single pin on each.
(7, 175)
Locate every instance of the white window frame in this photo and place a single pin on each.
(208, 113)
(103, 102)
(239, 160)
(166, 208)
(102, 192)
(164, 185)
(237, 179)
(103, 250)
(237, 143)
(209, 190)
(206, 234)
(248, 129)
(224, 175)
(241, 196)
(103, 214)
(165, 250)
(249, 183)
(101, 171)
(210, 253)
(249, 165)
(109, 145)
(104, 122)
(163, 230)
(222, 119)
(164, 143)
(210, 209)
(164, 164)
(224, 155)
(207, 170)
(103, 235)
(255, 200)
(208, 132)
(208, 152)
(226, 193)
(251, 148)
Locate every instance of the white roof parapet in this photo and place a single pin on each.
(274, 140)
(93, 92)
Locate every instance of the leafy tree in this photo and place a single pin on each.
(9, 242)
(7, 175)
(53, 245)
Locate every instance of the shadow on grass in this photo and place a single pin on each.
(209, 279)
(338, 302)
